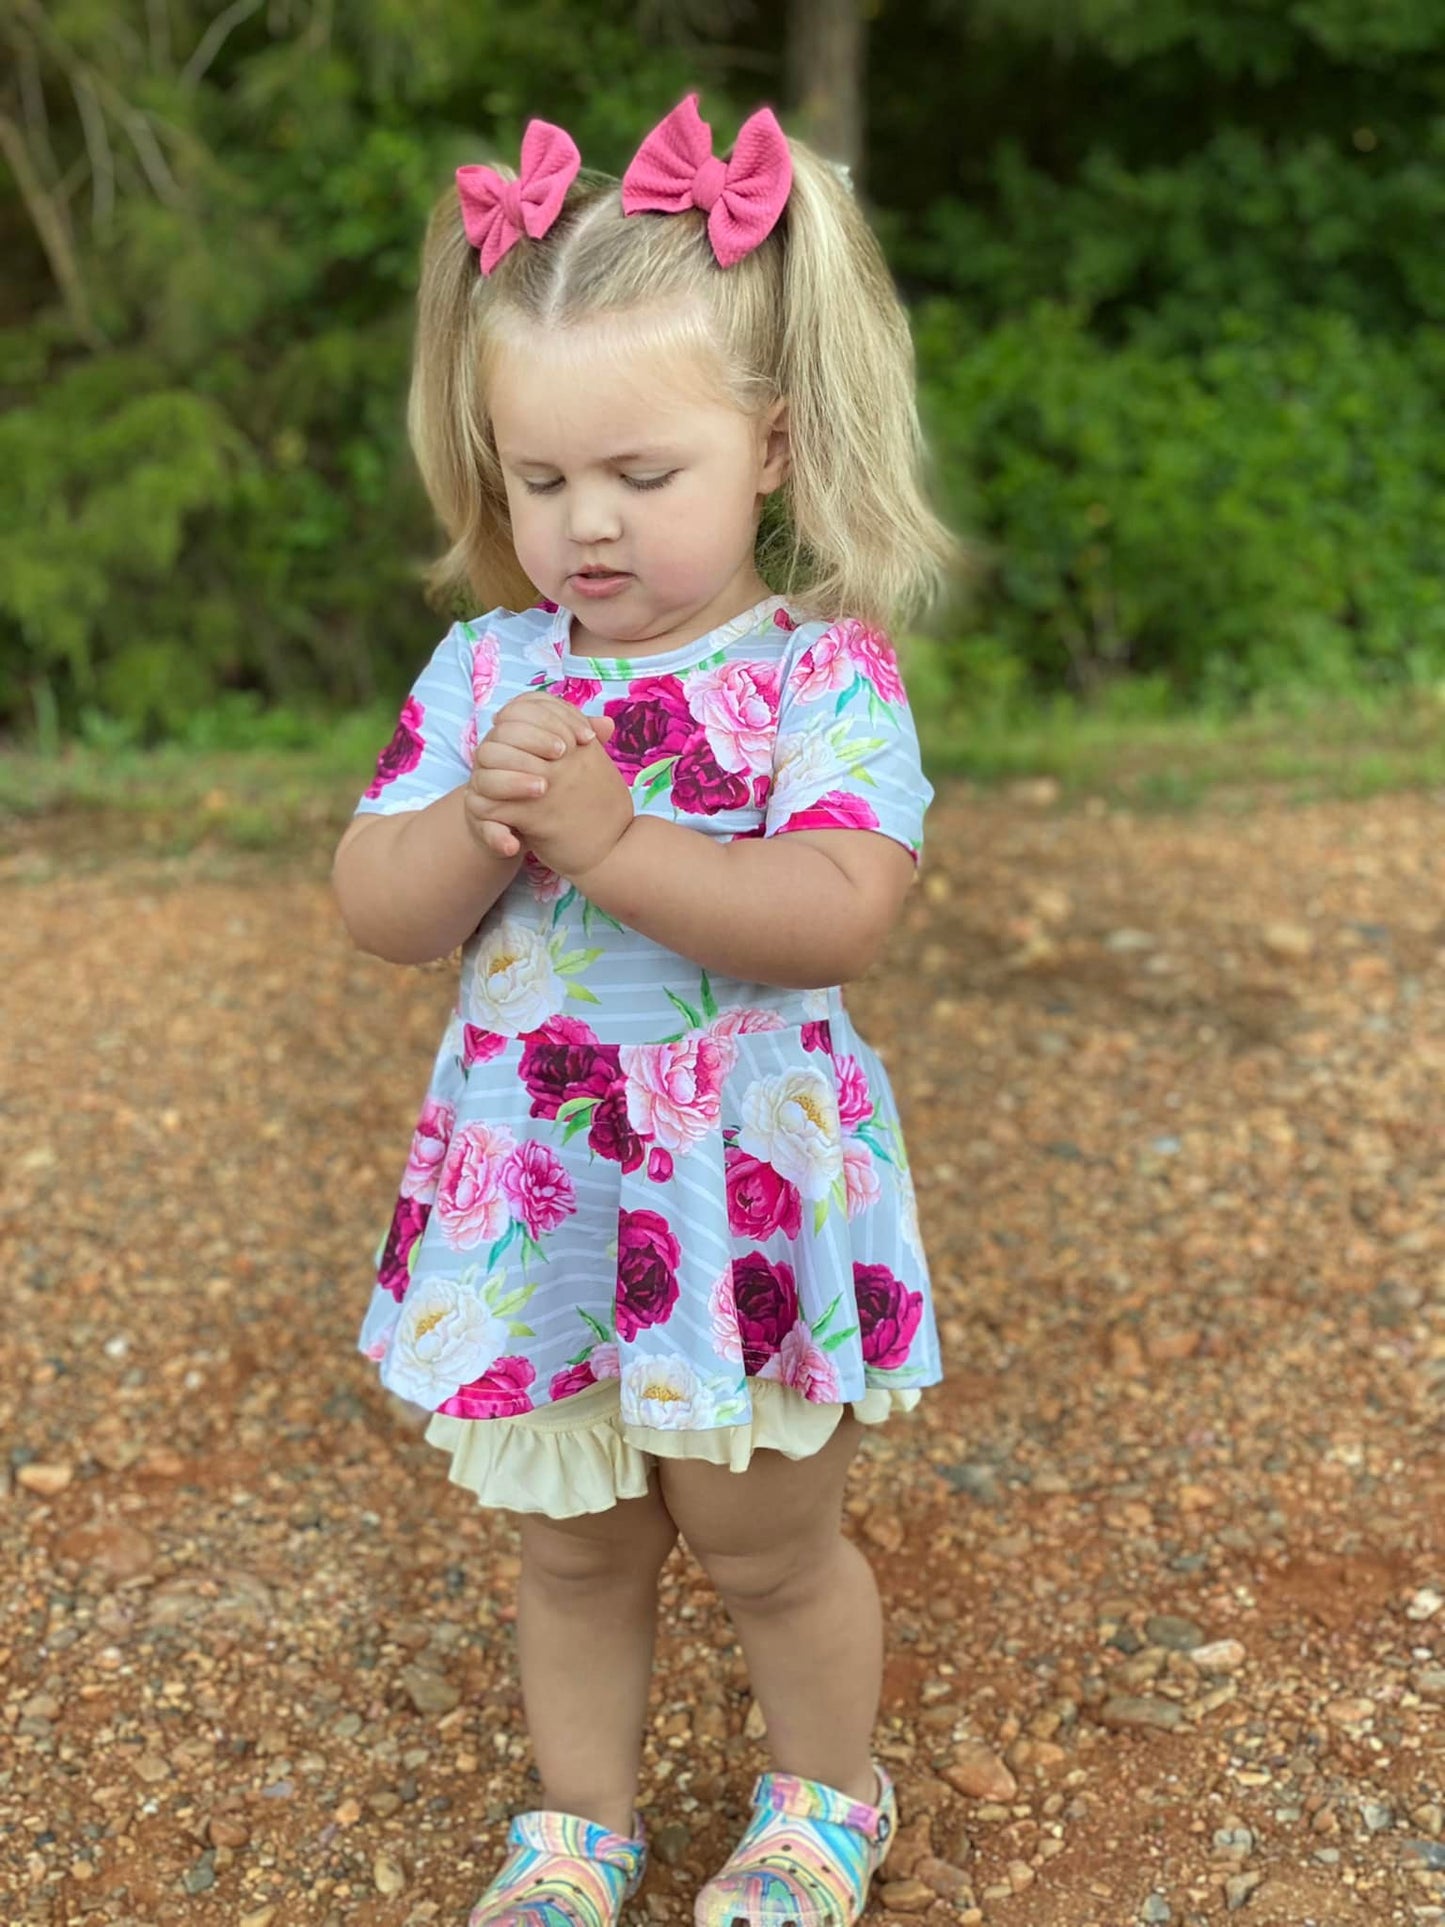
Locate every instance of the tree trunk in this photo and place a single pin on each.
(825, 55)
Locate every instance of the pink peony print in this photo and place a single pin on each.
(767, 1307)
(547, 886)
(468, 741)
(782, 620)
(888, 1316)
(817, 1036)
(647, 1259)
(403, 752)
(722, 1312)
(659, 1164)
(855, 1101)
(546, 602)
(605, 1362)
(428, 1148)
(503, 1391)
(760, 1200)
(652, 721)
(674, 1090)
(408, 1221)
(737, 705)
(804, 1366)
(538, 1187)
(838, 810)
(848, 649)
(860, 1178)
(577, 690)
(740, 1018)
(486, 662)
(700, 787)
(478, 1045)
(471, 1206)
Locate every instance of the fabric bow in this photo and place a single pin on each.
(496, 213)
(675, 169)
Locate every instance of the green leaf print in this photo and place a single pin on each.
(603, 1332)
(823, 1323)
(580, 1122)
(509, 1306)
(496, 1251)
(820, 1213)
(687, 1010)
(591, 910)
(520, 1331)
(572, 960)
(582, 993)
(839, 1338)
(562, 902)
(570, 1107)
(845, 696)
(658, 782)
(839, 1192)
(654, 770)
(531, 1246)
(709, 1002)
(869, 1137)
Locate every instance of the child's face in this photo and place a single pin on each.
(645, 470)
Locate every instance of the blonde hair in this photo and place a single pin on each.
(810, 316)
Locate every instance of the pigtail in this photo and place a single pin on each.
(448, 426)
(865, 541)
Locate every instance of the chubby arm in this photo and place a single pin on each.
(803, 910)
(411, 887)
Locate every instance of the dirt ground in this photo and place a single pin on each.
(1164, 1559)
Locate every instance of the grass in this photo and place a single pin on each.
(296, 787)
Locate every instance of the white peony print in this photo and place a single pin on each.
(791, 1122)
(445, 1337)
(667, 1394)
(513, 985)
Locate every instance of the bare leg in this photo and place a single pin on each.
(802, 1597)
(586, 1619)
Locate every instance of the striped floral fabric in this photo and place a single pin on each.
(807, 1857)
(562, 1871)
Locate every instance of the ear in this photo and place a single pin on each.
(775, 448)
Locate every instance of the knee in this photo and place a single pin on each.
(562, 1561)
(762, 1580)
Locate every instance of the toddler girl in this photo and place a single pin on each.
(655, 1260)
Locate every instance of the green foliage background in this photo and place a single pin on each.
(1175, 269)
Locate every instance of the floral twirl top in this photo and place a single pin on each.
(625, 1167)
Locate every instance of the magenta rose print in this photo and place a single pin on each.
(504, 1391)
(648, 1255)
(765, 1297)
(760, 1199)
(573, 1077)
(707, 737)
(889, 1315)
(653, 724)
(408, 1221)
(478, 1045)
(403, 752)
(837, 810)
(597, 1360)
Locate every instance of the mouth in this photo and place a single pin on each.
(598, 575)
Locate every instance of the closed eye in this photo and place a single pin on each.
(632, 481)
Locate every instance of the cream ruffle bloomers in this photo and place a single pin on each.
(576, 1455)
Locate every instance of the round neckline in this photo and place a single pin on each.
(658, 662)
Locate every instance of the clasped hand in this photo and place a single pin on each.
(541, 780)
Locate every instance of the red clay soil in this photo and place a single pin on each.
(1163, 1558)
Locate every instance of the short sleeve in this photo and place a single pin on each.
(846, 755)
(435, 739)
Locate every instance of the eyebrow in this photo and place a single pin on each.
(632, 455)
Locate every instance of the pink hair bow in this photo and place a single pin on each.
(675, 169)
(496, 213)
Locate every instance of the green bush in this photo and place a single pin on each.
(1270, 510)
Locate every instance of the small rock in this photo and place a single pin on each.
(755, 1727)
(200, 1877)
(1429, 1683)
(1429, 1853)
(41, 1706)
(1376, 1817)
(45, 1479)
(151, 1768)
(884, 1530)
(1220, 1656)
(114, 1548)
(1425, 1603)
(1178, 1635)
(428, 1691)
(1122, 941)
(262, 1917)
(1156, 1908)
(978, 1481)
(387, 1877)
(906, 1896)
(946, 1880)
(1238, 1888)
(979, 1773)
(1020, 1875)
(225, 1830)
(1289, 941)
(671, 1843)
(1123, 1710)
(1350, 1712)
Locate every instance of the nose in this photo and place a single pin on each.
(593, 515)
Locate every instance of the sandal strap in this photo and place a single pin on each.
(570, 1836)
(812, 1800)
